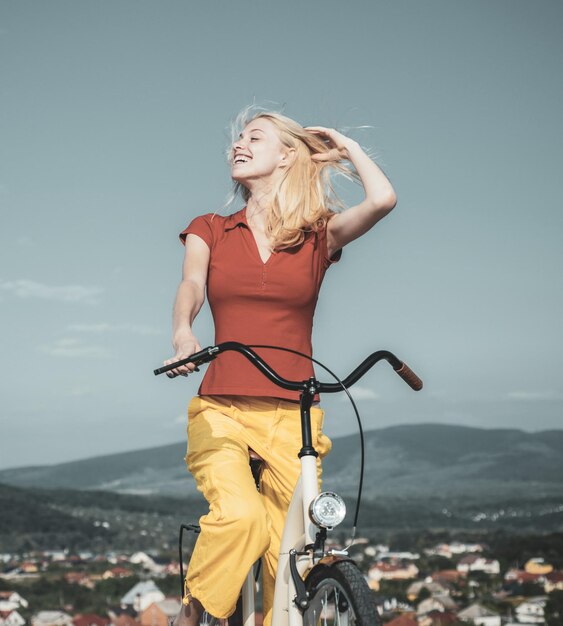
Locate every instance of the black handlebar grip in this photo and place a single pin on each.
(409, 377)
(197, 358)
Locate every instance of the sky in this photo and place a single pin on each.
(114, 121)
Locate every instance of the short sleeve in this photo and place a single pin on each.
(200, 226)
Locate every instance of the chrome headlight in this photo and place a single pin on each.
(327, 510)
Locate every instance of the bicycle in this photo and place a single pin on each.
(314, 586)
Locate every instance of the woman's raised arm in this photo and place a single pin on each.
(379, 198)
(189, 300)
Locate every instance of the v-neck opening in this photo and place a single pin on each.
(256, 246)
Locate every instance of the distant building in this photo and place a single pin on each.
(532, 611)
(124, 620)
(10, 600)
(521, 576)
(553, 581)
(142, 595)
(474, 563)
(160, 613)
(435, 603)
(447, 576)
(11, 618)
(398, 556)
(403, 620)
(454, 548)
(79, 578)
(538, 566)
(438, 618)
(392, 571)
(117, 572)
(479, 615)
(29, 567)
(89, 619)
(147, 562)
(433, 587)
(51, 618)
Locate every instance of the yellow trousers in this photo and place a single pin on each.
(242, 525)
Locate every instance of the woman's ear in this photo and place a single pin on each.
(288, 157)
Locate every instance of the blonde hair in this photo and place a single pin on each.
(304, 198)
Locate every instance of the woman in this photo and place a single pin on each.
(262, 268)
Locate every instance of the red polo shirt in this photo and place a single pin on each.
(259, 303)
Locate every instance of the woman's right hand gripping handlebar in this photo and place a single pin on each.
(185, 345)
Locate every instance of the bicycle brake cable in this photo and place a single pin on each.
(358, 419)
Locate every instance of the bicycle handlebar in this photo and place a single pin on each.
(208, 354)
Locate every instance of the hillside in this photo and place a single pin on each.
(429, 460)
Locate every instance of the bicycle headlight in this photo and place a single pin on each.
(327, 510)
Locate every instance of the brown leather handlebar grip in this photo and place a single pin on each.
(409, 377)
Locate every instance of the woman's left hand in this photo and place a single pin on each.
(338, 144)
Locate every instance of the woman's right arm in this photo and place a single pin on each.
(189, 300)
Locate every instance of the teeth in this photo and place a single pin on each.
(241, 160)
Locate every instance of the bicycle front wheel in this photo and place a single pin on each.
(339, 596)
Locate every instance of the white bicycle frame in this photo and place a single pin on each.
(298, 532)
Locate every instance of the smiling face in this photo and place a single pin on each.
(258, 153)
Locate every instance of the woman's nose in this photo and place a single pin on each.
(239, 143)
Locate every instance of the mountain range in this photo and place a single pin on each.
(426, 477)
(405, 461)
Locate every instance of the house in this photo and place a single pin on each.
(403, 620)
(392, 571)
(537, 566)
(479, 615)
(12, 600)
(438, 618)
(447, 576)
(532, 611)
(51, 618)
(474, 563)
(172, 569)
(117, 572)
(160, 613)
(455, 548)
(79, 578)
(520, 576)
(398, 556)
(142, 595)
(553, 581)
(124, 620)
(433, 587)
(11, 618)
(89, 619)
(440, 603)
(56, 555)
(147, 562)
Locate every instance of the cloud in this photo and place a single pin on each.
(71, 347)
(360, 393)
(66, 293)
(533, 395)
(103, 327)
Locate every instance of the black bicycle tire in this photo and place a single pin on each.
(351, 582)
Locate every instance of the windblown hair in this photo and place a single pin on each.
(304, 198)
